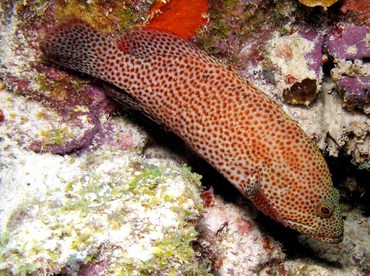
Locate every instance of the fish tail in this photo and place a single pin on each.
(76, 45)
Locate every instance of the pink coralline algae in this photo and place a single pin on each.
(349, 45)
(313, 57)
(348, 41)
(356, 91)
(97, 105)
(73, 107)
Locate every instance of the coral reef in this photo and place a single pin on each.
(237, 245)
(79, 196)
(348, 45)
(295, 58)
(107, 207)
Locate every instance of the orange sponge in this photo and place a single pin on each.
(178, 16)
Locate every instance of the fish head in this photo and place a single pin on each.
(308, 204)
(321, 220)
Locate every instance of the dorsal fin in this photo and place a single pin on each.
(148, 42)
(76, 45)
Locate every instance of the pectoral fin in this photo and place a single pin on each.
(252, 189)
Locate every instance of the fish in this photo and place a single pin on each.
(222, 116)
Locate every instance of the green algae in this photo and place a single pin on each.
(67, 88)
(55, 136)
(172, 255)
(107, 16)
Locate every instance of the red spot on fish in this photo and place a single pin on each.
(123, 47)
(224, 118)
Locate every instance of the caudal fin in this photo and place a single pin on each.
(76, 45)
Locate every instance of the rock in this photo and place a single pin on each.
(106, 205)
(229, 234)
(348, 44)
(294, 60)
(348, 41)
(356, 92)
(357, 10)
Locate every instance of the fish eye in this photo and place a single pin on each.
(324, 210)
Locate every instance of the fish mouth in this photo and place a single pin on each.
(308, 230)
(332, 240)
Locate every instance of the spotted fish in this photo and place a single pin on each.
(228, 121)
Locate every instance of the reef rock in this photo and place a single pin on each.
(357, 10)
(348, 44)
(348, 41)
(296, 60)
(230, 236)
(289, 68)
(106, 208)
